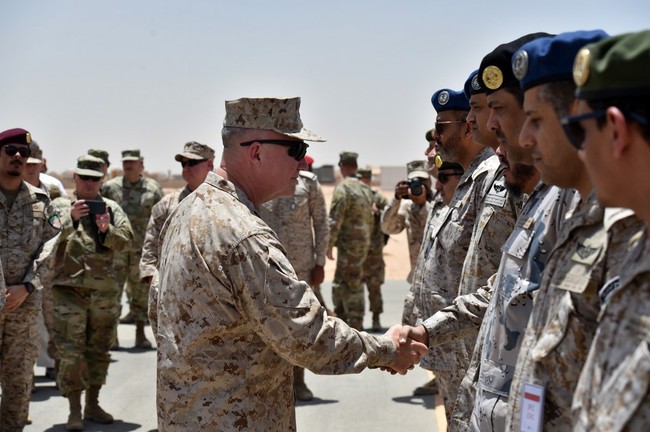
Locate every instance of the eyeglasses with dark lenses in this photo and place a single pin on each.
(442, 125)
(192, 162)
(445, 177)
(576, 133)
(89, 178)
(11, 150)
(297, 149)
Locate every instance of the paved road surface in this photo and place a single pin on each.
(368, 402)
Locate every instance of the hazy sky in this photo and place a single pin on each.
(153, 74)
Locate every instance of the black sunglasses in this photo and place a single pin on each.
(297, 149)
(11, 150)
(192, 162)
(445, 177)
(89, 178)
(576, 133)
(441, 125)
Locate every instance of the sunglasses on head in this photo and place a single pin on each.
(11, 150)
(297, 149)
(445, 177)
(576, 133)
(192, 162)
(89, 178)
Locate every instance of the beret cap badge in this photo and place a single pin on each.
(492, 77)
(520, 64)
(28, 138)
(581, 67)
(443, 97)
(475, 85)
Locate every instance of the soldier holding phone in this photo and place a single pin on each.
(86, 306)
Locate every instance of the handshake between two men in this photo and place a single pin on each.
(411, 344)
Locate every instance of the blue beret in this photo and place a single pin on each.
(449, 100)
(15, 136)
(472, 86)
(495, 71)
(551, 58)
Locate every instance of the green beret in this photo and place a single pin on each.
(348, 158)
(614, 67)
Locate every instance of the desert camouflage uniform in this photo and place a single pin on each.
(613, 390)
(28, 239)
(524, 256)
(233, 318)
(410, 313)
(137, 200)
(85, 295)
(350, 225)
(3, 287)
(151, 246)
(404, 213)
(588, 252)
(437, 284)
(300, 221)
(374, 267)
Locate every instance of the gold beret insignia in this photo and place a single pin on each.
(492, 77)
(581, 67)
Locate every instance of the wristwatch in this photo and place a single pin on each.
(29, 287)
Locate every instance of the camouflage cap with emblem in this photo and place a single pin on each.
(417, 168)
(15, 136)
(131, 155)
(102, 154)
(495, 71)
(348, 158)
(196, 151)
(88, 165)
(449, 100)
(276, 114)
(550, 59)
(616, 67)
(35, 153)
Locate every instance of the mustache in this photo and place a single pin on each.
(504, 161)
(499, 133)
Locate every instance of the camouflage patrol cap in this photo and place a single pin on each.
(196, 151)
(348, 158)
(131, 155)
(616, 67)
(102, 154)
(364, 173)
(15, 136)
(35, 153)
(417, 168)
(88, 165)
(279, 115)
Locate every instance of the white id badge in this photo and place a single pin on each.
(532, 408)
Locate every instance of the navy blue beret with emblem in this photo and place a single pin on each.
(495, 71)
(472, 86)
(551, 59)
(449, 100)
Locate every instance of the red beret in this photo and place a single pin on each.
(15, 136)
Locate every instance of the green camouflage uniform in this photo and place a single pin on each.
(350, 223)
(28, 239)
(137, 200)
(86, 306)
(374, 267)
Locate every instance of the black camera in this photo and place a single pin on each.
(415, 185)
